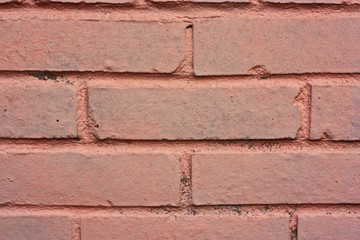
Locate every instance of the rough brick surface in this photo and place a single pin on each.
(89, 179)
(314, 1)
(279, 45)
(206, 1)
(335, 112)
(196, 113)
(262, 178)
(37, 109)
(329, 227)
(181, 227)
(92, 1)
(179, 119)
(75, 45)
(35, 227)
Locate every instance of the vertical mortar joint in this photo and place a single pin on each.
(303, 101)
(76, 229)
(185, 182)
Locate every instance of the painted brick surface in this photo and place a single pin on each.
(274, 178)
(76, 45)
(37, 109)
(314, 1)
(35, 227)
(92, 1)
(207, 1)
(192, 227)
(335, 112)
(329, 227)
(201, 113)
(179, 119)
(103, 179)
(279, 45)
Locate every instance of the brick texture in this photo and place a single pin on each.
(329, 228)
(37, 109)
(92, 1)
(276, 45)
(197, 227)
(207, 1)
(315, 1)
(89, 179)
(335, 112)
(273, 178)
(179, 119)
(76, 45)
(201, 113)
(35, 227)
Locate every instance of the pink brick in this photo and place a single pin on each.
(92, 1)
(71, 178)
(184, 227)
(195, 113)
(329, 228)
(37, 109)
(206, 1)
(35, 227)
(84, 45)
(335, 112)
(314, 1)
(276, 178)
(279, 45)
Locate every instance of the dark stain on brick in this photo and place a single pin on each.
(44, 75)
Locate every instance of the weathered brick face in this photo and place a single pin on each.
(167, 119)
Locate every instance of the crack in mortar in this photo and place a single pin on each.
(169, 11)
(85, 129)
(185, 181)
(303, 101)
(200, 146)
(76, 229)
(269, 210)
(186, 67)
(293, 225)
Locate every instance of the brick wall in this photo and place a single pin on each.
(199, 119)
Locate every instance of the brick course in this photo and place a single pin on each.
(90, 179)
(196, 227)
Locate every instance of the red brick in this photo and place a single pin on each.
(195, 113)
(122, 179)
(206, 1)
(92, 1)
(280, 45)
(272, 178)
(35, 227)
(335, 112)
(84, 45)
(314, 1)
(329, 228)
(37, 109)
(185, 227)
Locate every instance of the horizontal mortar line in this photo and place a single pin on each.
(105, 76)
(53, 75)
(261, 6)
(31, 141)
(271, 144)
(188, 210)
(229, 141)
(280, 205)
